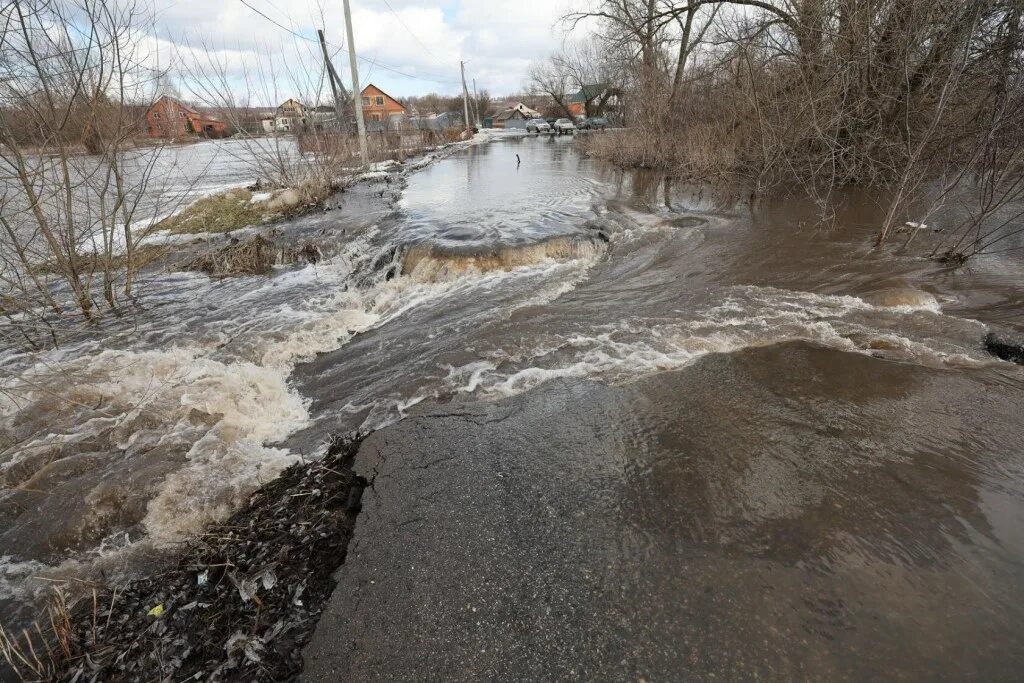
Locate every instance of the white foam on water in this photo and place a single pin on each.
(212, 398)
(14, 572)
(135, 401)
(749, 317)
(928, 303)
(548, 280)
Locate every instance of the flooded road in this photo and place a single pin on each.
(672, 432)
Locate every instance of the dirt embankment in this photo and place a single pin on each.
(216, 218)
(241, 602)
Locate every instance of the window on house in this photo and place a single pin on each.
(156, 115)
(181, 114)
(375, 117)
(380, 101)
(366, 101)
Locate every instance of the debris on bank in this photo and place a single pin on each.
(244, 597)
(256, 255)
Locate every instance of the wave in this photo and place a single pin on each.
(749, 317)
(429, 263)
(146, 446)
(904, 299)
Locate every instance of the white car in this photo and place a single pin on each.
(538, 126)
(564, 127)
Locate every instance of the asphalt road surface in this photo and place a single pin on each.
(780, 512)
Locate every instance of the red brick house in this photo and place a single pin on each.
(171, 118)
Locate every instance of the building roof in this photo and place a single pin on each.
(520, 109)
(204, 116)
(371, 85)
(290, 105)
(178, 102)
(589, 92)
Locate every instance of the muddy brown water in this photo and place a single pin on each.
(888, 451)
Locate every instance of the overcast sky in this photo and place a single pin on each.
(406, 47)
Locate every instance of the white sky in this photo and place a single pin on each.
(424, 39)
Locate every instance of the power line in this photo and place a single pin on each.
(374, 61)
(275, 23)
(410, 32)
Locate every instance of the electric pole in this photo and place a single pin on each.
(465, 92)
(357, 92)
(476, 105)
(336, 84)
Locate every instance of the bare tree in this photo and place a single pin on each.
(546, 78)
(818, 95)
(71, 75)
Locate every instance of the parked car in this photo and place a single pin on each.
(538, 126)
(564, 127)
(594, 123)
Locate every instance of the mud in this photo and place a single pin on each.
(244, 596)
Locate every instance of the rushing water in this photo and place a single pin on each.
(478, 277)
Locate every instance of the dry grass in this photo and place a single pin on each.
(37, 653)
(700, 153)
(219, 213)
(254, 256)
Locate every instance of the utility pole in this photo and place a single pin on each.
(465, 92)
(357, 92)
(476, 105)
(336, 84)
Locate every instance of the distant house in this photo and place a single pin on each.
(591, 100)
(245, 120)
(515, 116)
(171, 118)
(380, 110)
(324, 117)
(290, 117)
(432, 121)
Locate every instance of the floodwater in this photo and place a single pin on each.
(160, 181)
(884, 455)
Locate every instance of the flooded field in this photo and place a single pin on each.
(853, 450)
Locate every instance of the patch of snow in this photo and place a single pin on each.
(383, 165)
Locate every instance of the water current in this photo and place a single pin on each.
(479, 277)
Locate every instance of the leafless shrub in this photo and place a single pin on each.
(817, 96)
(71, 77)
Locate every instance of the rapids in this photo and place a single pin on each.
(472, 278)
